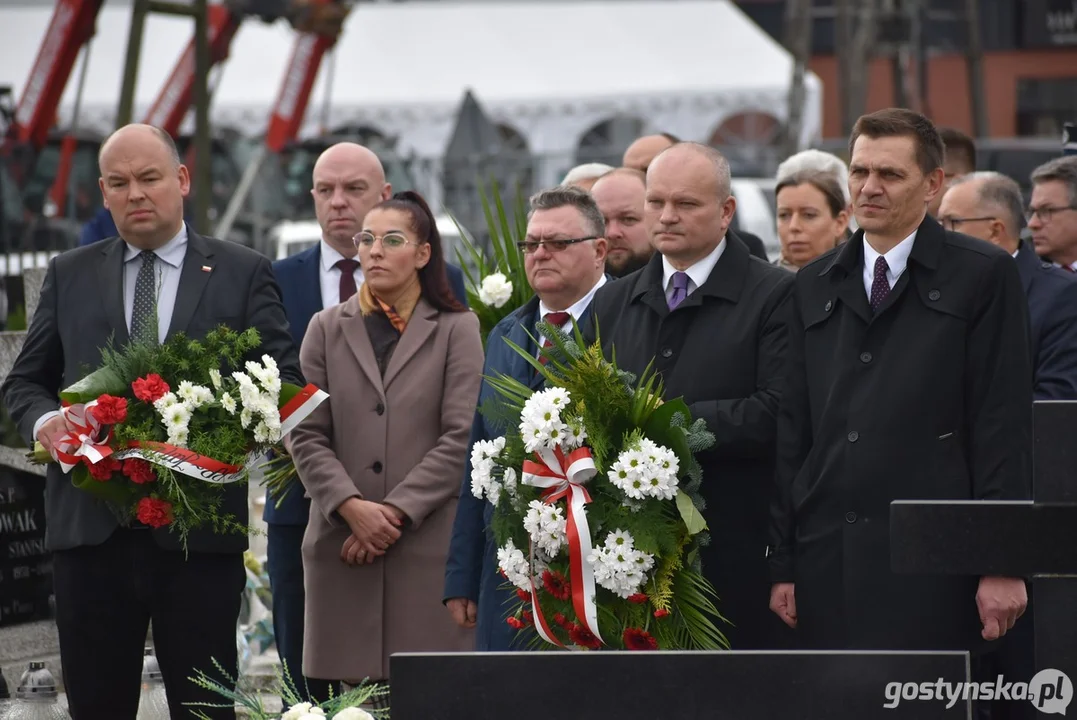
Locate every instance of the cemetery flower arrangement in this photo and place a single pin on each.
(345, 706)
(496, 281)
(159, 430)
(597, 518)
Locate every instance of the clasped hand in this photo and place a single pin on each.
(374, 528)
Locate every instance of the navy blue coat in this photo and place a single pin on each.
(301, 290)
(1052, 307)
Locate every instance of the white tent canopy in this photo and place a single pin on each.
(550, 70)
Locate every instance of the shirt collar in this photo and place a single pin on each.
(171, 252)
(331, 256)
(896, 258)
(575, 309)
(697, 273)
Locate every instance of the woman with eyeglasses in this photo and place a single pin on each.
(382, 458)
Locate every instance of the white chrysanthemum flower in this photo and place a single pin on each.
(353, 713)
(228, 403)
(245, 418)
(264, 434)
(194, 395)
(510, 481)
(512, 562)
(178, 414)
(495, 290)
(296, 711)
(576, 434)
(215, 379)
(546, 525)
(164, 402)
(619, 566)
(646, 470)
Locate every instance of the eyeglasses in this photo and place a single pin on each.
(389, 241)
(1046, 213)
(555, 246)
(951, 223)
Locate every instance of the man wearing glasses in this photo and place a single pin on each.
(714, 320)
(564, 258)
(1052, 212)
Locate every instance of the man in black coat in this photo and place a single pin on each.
(157, 279)
(989, 206)
(713, 318)
(909, 378)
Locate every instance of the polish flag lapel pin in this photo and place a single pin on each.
(206, 268)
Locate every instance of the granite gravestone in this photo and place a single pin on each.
(740, 685)
(1034, 539)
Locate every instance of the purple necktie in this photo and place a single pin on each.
(680, 289)
(880, 286)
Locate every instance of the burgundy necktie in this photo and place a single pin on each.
(557, 319)
(347, 267)
(880, 286)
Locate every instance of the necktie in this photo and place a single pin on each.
(680, 289)
(1068, 268)
(880, 286)
(557, 319)
(144, 311)
(347, 267)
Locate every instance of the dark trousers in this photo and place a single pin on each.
(285, 567)
(106, 597)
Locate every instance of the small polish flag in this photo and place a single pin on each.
(206, 268)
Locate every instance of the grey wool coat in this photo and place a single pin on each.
(401, 440)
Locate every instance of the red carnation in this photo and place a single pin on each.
(636, 639)
(523, 595)
(150, 389)
(661, 613)
(515, 623)
(140, 471)
(155, 513)
(103, 470)
(583, 637)
(529, 619)
(556, 584)
(638, 598)
(110, 410)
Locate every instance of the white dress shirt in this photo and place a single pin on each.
(897, 258)
(697, 273)
(330, 276)
(574, 310)
(168, 267)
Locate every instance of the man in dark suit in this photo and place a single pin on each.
(713, 319)
(111, 581)
(909, 377)
(989, 206)
(348, 180)
(564, 257)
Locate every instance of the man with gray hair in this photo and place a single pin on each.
(713, 319)
(564, 257)
(585, 176)
(988, 206)
(1052, 212)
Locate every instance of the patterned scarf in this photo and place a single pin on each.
(398, 313)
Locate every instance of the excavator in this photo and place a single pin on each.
(40, 161)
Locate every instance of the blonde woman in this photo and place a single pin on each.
(812, 207)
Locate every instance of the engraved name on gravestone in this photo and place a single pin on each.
(25, 564)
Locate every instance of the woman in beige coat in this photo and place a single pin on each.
(382, 458)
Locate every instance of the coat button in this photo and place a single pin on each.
(865, 357)
(379, 409)
(850, 517)
(829, 305)
(667, 352)
(854, 436)
(934, 295)
(376, 467)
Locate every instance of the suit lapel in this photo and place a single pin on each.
(1027, 265)
(192, 282)
(310, 285)
(847, 276)
(649, 288)
(420, 327)
(111, 274)
(354, 329)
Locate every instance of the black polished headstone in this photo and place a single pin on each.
(25, 565)
(742, 685)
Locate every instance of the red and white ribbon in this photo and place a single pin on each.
(563, 476)
(182, 461)
(87, 438)
(299, 407)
